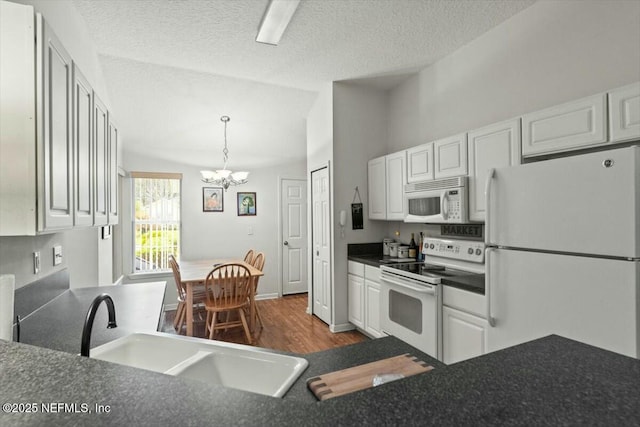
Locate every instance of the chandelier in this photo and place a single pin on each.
(224, 177)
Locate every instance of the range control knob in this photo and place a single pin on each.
(470, 251)
(478, 251)
(431, 246)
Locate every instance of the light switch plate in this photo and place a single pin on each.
(250, 230)
(57, 255)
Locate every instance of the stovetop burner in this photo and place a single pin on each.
(425, 269)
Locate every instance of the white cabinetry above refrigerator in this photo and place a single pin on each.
(624, 113)
(576, 124)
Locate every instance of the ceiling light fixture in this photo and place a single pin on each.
(275, 20)
(224, 177)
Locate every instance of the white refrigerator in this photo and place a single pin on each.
(563, 251)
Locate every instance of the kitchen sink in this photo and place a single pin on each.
(214, 362)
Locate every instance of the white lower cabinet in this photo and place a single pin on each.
(356, 300)
(372, 301)
(464, 328)
(364, 298)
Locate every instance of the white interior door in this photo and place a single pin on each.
(294, 235)
(321, 245)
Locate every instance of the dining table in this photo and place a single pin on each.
(194, 273)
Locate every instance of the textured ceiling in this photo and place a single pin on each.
(173, 68)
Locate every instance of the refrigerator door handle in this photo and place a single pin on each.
(487, 201)
(487, 286)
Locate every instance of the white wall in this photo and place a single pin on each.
(359, 133)
(319, 154)
(550, 53)
(82, 249)
(220, 234)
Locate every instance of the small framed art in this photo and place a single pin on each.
(246, 204)
(212, 199)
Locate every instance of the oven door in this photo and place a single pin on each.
(411, 312)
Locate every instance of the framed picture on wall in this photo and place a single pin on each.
(212, 199)
(246, 204)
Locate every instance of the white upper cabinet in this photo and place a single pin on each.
(83, 149)
(624, 113)
(396, 179)
(100, 139)
(36, 171)
(493, 146)
(573, 125)
(450, 156)
(377, 188)
(420, 163)
(48, 167)
(55, 154)
(386, 180)
(112, 171)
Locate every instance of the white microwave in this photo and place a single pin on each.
(440, 201)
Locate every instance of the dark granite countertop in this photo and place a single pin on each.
(58, 324)
(375, 260)
(471, 282)
(551, 381)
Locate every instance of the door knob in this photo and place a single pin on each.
(286, 243)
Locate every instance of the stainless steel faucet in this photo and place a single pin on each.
(88, 322)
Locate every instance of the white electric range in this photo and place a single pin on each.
(411, 300)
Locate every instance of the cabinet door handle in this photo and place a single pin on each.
(286, 243)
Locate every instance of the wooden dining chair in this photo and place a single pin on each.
(227, 289)
(198, 297)
(248, 258)
(258, 262)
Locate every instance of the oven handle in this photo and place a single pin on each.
(423, 290)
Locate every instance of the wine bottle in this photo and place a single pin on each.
(413, 248)
(420, 243)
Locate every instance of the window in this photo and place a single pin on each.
(156, 222)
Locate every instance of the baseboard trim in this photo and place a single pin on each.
(342, 327)
(170, 307)
(267, 296)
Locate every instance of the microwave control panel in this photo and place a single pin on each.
(454, 204)
(464, 250)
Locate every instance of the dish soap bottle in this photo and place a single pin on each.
(413, 248)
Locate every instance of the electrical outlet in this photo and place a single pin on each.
(57, 255)
(36, 262)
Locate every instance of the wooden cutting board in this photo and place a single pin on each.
(339, 383)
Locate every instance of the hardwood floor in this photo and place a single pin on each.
(287, 327)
